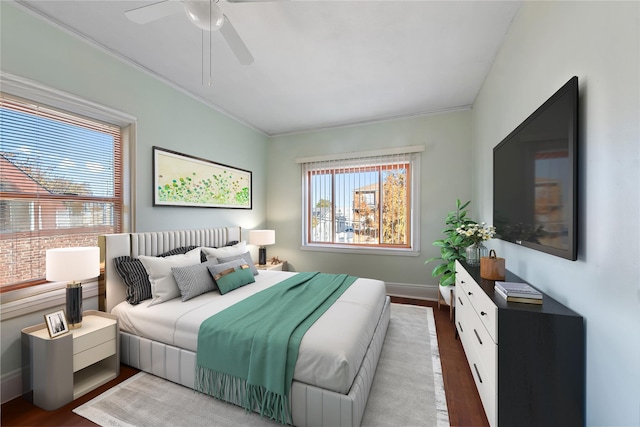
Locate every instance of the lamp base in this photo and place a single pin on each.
(262, 255)
(74, 305)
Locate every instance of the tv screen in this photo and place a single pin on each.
(534, 178)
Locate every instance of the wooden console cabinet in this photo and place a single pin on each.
(527, 360)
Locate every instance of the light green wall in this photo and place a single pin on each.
(600, 43)
(446, 175)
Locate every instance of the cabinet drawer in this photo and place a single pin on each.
(476, 339)
(487, 391)
(486, 350)
(464, 319)
(463, 311)
(95, 354)
(482, 304)
(96, 337)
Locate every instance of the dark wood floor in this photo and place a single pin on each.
(465, 408)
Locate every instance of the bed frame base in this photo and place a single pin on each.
(310, 406)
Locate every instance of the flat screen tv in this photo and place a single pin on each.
(535, 172)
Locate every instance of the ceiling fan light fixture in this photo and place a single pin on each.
(205, 14)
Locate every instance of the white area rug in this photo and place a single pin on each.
(407, 388)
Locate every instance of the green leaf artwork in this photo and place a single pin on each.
(182, 180)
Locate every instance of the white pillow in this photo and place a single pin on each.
(225, 251)
(163, 284)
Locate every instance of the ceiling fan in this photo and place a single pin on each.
(205, 14)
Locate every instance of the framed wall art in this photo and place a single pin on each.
(183, 180)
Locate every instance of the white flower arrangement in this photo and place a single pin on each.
(477, 232)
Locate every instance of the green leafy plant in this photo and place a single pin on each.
(453, 245)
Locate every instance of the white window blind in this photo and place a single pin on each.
(60, 184)
(360, 202)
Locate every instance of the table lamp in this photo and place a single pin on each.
(73, 265)
(262, 238)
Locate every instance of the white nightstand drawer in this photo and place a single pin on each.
(84, 342)
(95, 354)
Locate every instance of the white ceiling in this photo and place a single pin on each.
(318, 64)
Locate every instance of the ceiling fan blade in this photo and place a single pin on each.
(153, 12)
(251, 1)
(236, 44)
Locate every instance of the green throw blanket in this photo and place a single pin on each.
(247, 353)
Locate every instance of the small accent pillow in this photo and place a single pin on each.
(163, 285)
(194, 280)
(246, 257)
(225, 251)
(233, 278)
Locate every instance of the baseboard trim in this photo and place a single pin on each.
(11, 386)
(415, 291)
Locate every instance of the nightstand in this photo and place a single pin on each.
(281, 266)
(61, 369)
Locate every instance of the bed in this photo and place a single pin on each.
(329, 388)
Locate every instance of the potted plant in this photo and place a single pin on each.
(452, 247)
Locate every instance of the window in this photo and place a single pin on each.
(60, 185)
(366, 201)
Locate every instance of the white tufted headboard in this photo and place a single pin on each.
(151, 243)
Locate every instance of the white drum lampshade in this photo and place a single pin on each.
(262, 238)
(73, 265)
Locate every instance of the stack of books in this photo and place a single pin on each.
(518, 292)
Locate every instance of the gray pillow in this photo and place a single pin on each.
(218, 268)
(246, 257)
(194, 280)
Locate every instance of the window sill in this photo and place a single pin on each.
(36, 298)
(360, 250)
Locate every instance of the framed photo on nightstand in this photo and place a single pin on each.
(56, 323)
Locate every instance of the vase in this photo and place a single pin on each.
(475, 252)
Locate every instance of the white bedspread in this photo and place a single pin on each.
(330, 353)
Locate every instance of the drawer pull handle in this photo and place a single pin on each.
(461, 303)
(460, 327)
(477, 336)
(469, 293)
(477, 373)
(482, 313)
(462, 281)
